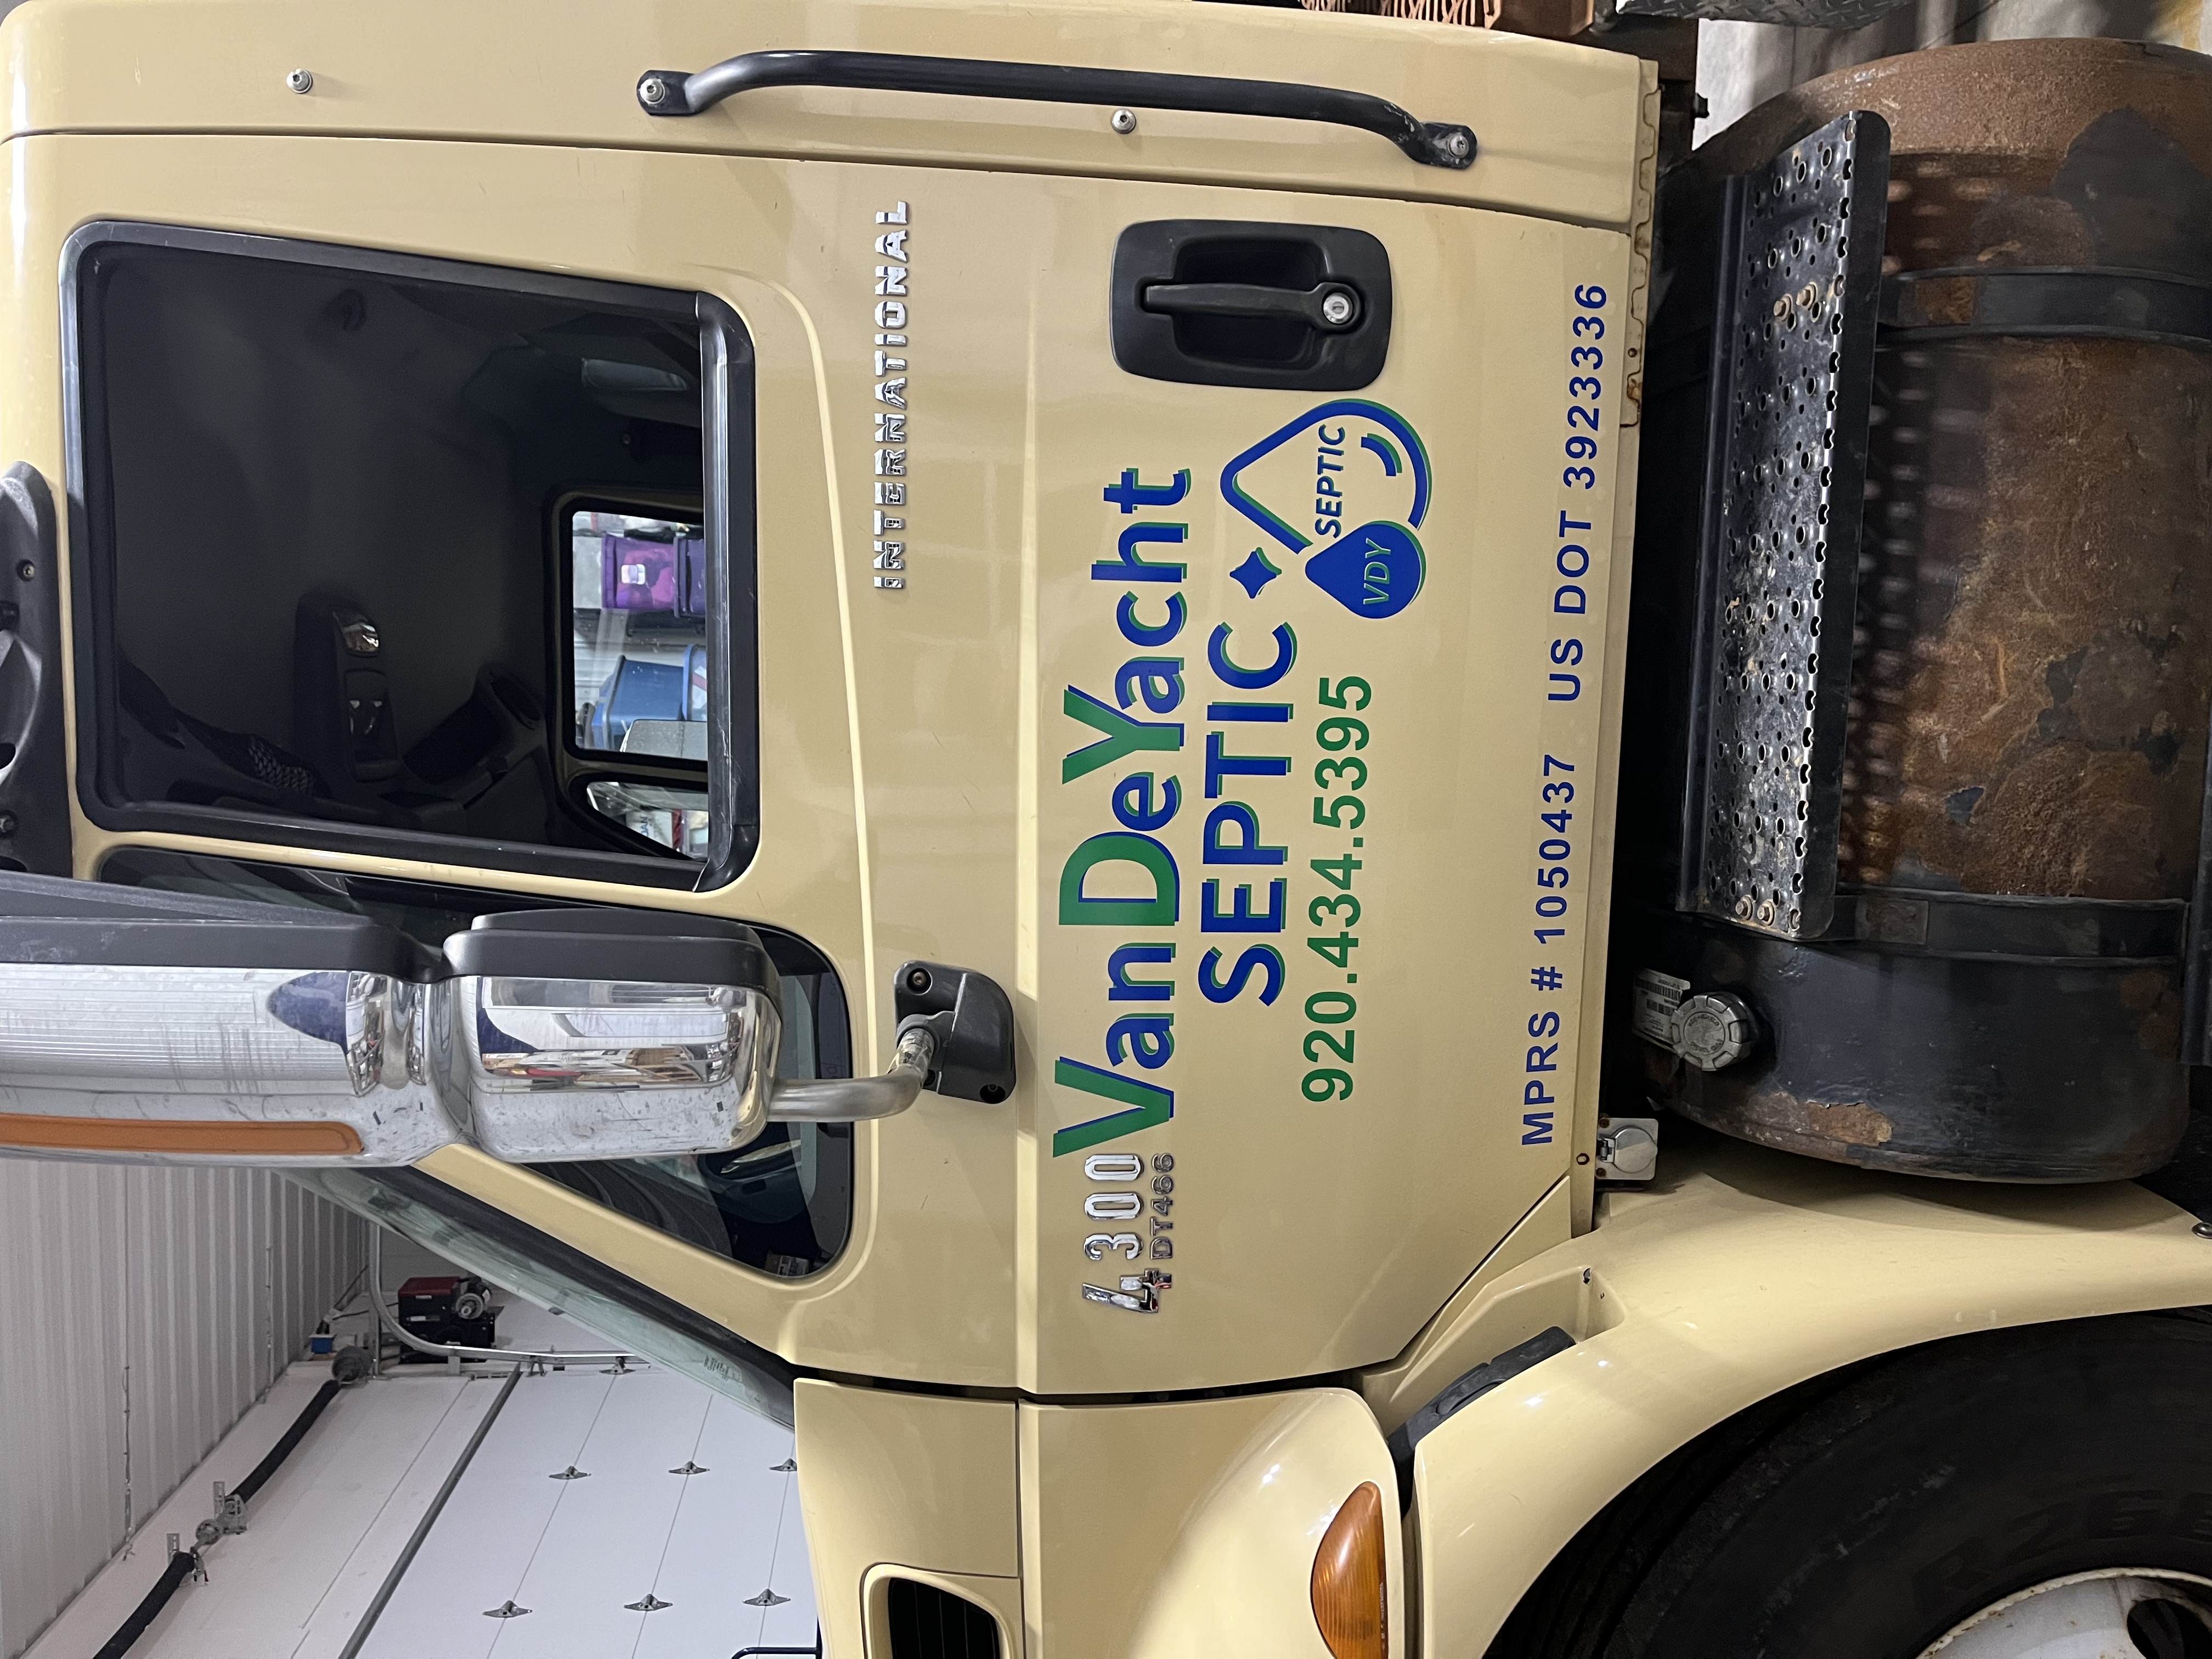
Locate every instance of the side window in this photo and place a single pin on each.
(783, 1205)
(382, 550)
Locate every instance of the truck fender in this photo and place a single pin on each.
(1748, 1274)
(1238, 1578)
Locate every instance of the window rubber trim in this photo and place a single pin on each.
(727, 431)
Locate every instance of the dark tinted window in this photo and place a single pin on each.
(783, 1204)
(332, 550)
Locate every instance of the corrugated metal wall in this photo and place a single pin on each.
(141, 1311)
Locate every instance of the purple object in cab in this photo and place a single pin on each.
(638, 575)
(642, 576)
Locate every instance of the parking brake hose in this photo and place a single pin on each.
(183, 1564)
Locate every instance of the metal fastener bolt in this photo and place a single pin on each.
(2202, 1229)
(1124, 120)
(917, 980)
(653, 92)
(26, 571)
(301, 80)
(1455, 143)
(6, 824)
(1336, 309)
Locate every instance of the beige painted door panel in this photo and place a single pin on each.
(918, 798)
(1549, 118)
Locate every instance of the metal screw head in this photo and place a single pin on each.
(2202, 1229)
(26, 571)
(6, 824)
(917, 980)
(301, 80)
(1338, 308)
(1456, 144)
(1124, 120)
(653, 92)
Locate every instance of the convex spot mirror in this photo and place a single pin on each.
(157, 1027)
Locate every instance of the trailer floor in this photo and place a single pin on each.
(715, 1560)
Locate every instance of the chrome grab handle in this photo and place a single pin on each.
(1432, 143)
(854, 1099)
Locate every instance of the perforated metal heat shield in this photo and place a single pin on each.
(1793, 373)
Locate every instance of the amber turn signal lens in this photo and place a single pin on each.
(1348, 1589)
(213, 1137)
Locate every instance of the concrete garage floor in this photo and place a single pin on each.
(715, 1560)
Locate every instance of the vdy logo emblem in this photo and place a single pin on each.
(1344, 487)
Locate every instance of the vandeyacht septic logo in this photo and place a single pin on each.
(1343, 488)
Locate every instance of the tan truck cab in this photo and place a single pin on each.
(924, 702)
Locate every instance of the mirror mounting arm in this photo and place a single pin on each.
(853, 1099)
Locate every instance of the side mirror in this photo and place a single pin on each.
(590, 1034)
(151, 1026)
(158, 1027)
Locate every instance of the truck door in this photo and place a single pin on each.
(1162, 572)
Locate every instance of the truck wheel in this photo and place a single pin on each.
(2159, 1615)
(1956, 1499)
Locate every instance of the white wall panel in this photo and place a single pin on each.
(141, 1311)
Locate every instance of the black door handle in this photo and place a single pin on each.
(1249, 303)
(1432, 143)
(1329, 307)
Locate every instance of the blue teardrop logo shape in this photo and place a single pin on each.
(1374, 571)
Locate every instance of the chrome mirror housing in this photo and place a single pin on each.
(158, 1027)
(596, 1034)
(155, 1027)
(225, 1065)
(559, 1069)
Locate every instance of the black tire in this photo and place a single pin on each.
(1864, 1516)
